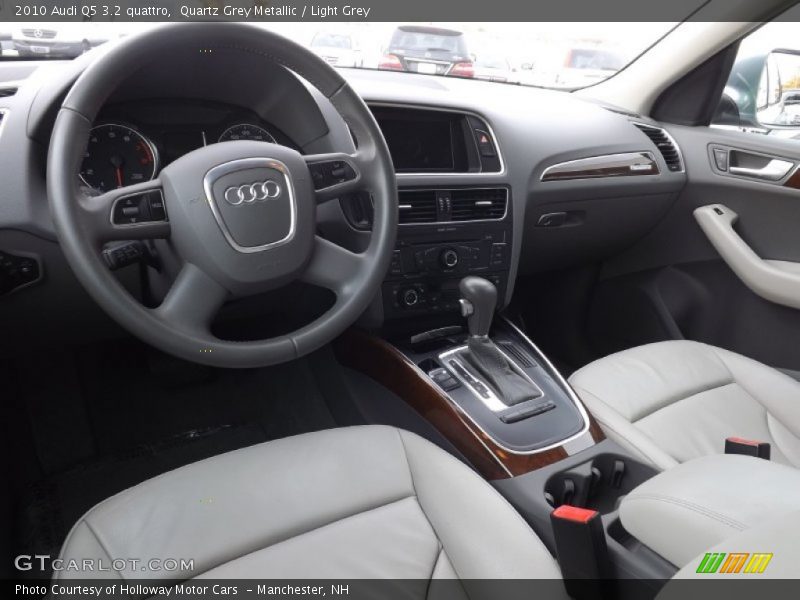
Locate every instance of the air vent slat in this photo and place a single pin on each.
(665, 145)
(6, 92)
(478, 204)
(417, 206)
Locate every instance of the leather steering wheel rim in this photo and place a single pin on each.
(181, 325)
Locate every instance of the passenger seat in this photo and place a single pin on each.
(670, 402)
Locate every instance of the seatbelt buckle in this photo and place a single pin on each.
(737, 445)
(581, 550)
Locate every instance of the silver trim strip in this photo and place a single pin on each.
(493, 403)
(249, 163)
(484, 120)
(579, 438)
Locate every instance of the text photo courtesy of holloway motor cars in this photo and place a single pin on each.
(413, 300)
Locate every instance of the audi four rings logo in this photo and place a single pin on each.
(252, 192)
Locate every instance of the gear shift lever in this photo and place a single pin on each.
(478, 302)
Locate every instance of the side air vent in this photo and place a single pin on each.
(478, 204)
(665, 144)
(417, 206)
(5, 92)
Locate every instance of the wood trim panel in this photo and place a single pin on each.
(388, 366)
(794, 180)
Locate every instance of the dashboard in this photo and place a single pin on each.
(471, 159)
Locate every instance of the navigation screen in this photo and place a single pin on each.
(419, 144)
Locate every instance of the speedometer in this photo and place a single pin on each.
(246, 131)
(116, 156)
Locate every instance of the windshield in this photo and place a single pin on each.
(331, 40)
(553, 55)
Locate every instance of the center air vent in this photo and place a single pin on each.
(463, 204)
(665, 144)
(478, 204)
(5, 92)
(417, 206)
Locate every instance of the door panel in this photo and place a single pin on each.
(673, 283)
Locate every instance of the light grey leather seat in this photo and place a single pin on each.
(669, 402)
(361, 502)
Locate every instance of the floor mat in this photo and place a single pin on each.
(103, 420)
(54, 504)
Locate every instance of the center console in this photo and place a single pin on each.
(473, 376)
(446, 230)
(444, 235)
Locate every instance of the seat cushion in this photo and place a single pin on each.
(685, 510)
(360, 502)
(673, 401)
(768, 550)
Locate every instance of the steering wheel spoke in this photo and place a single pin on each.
(336, 174)
(334, 267)
(130, 213)
(193, 300)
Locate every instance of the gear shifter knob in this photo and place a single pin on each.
(478, 301)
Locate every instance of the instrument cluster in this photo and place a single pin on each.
(130, 144)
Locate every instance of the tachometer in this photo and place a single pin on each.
(116, 156)
(246, 131)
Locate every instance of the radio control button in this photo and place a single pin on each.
(409, 297)
(449, 258)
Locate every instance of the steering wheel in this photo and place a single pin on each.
(240, 215)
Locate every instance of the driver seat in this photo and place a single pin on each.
(359, 503)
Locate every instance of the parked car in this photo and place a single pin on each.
(337, 49)
(66, 40)
(5, 41)
(428, 50)
(574, 67)
(493, 67)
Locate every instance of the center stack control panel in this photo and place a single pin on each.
(443, 236)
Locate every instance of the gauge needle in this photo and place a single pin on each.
(117, 162)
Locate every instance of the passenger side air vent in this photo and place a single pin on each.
(5, 92)
(478, 204)
(665, 144)
(417, 206)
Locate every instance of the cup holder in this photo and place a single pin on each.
(599, 483)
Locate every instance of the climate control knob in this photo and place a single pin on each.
(448, 258)
(409, 297)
